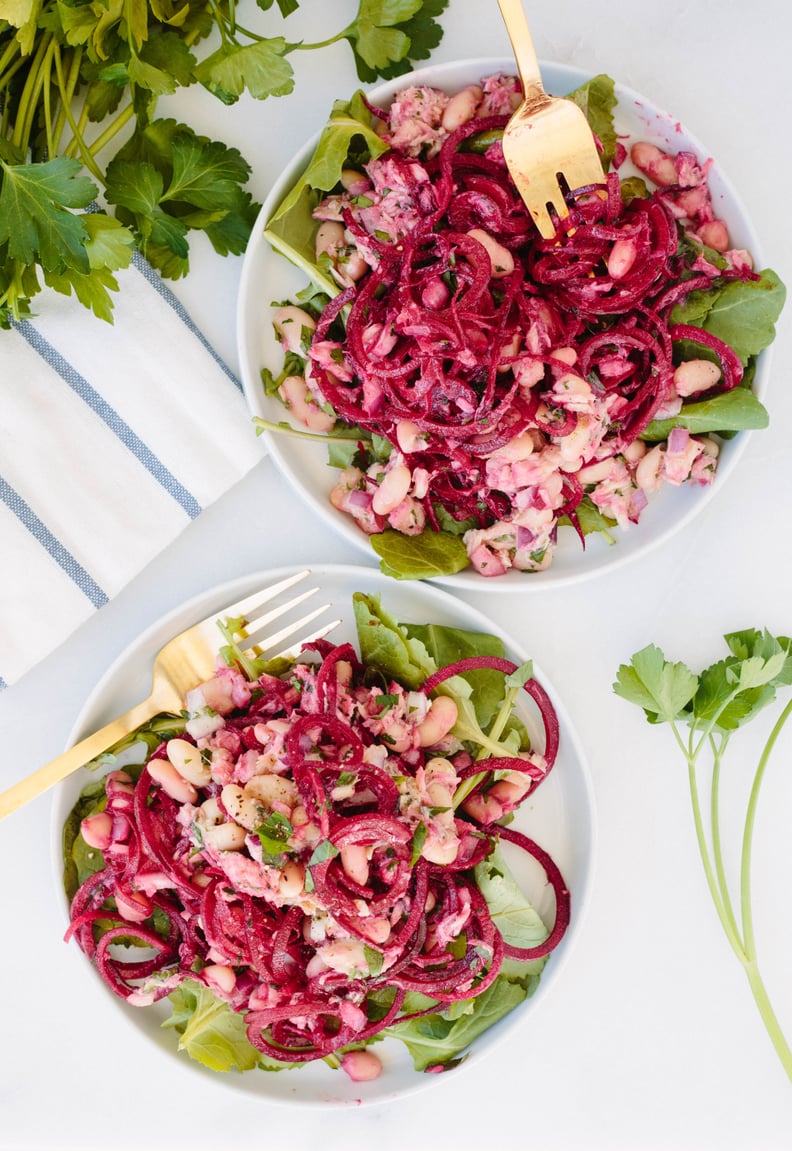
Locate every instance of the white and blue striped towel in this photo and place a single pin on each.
(112, 440)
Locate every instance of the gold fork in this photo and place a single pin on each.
(185, 661)
(547, 137)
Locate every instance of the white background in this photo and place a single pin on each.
(650, 1040)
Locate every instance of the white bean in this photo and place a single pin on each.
(695, 376)
(329, 237)
(440, 719)
(172, 783)
(501, 259)
(225, 837)
(462, 107)
(272, 789)
(187, 760)
(361, 1066)
(355, 863)
(242, 808)
(392, 490)
(289, 323)
(292, 880)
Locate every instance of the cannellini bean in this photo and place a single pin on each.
(409, 436)
(441, 849)
(377, 929)
(133, 905)
(512, 788)
(330, 236)
(462, 107)
(242, 808)
(289, 323)
(225, 837)
(648, 471)
(657, 165)
(501, 259)
(440, 719)
(361, 1066)
(715, 235)
(354, 181)
(634, 451)
(595, 472)
(696, 376)
(172, 783)
(354, 861)
(392, 490)
(621, 258)
(483, 807)
(220, 976)
(272, 789)
(353, 266)
(292, 880)
(565, 355)
(188, 761)
(96, 830)
(295, 395)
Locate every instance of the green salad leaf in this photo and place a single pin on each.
(741, 313)
(737, 410)
(597, 99)
(423, 556)
(211, 1032)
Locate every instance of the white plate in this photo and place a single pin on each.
(560, 816)
(267, 276)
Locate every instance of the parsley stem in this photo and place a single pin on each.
(731, 934)
(66, 96)
(717, 853)
(750, 819)
(769, 1017)
(302, 47)
(112, 129)
(26, 108)
(283, 428)
(85, 154)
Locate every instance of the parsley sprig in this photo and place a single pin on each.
(78, 77)
(713, 705)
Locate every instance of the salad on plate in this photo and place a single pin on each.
(314, 856)
(481, 389)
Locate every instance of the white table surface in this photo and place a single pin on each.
(650, 1040)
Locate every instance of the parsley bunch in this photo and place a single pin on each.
(713, 705)
(75, 75)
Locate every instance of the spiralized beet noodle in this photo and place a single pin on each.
(329, 962)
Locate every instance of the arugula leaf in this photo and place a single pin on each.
(385, 643)
(209, 1030)
(517, 920)
(741, 313)
(597, 99)
(733, 411)
(446, 645)
(419, 557)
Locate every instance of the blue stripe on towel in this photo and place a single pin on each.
(156, 281)
(111, 418)
(3, 684)
(62, 556)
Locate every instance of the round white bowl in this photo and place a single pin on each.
(560, 817)
(266, 275)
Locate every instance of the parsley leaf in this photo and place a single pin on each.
(714, 704)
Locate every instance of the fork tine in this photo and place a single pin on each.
(255, 623)
(264, 641)
(293, 651)
(251, 603)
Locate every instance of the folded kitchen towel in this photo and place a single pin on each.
(113, 438)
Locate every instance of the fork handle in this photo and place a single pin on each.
(524, 52)
(76, 756)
